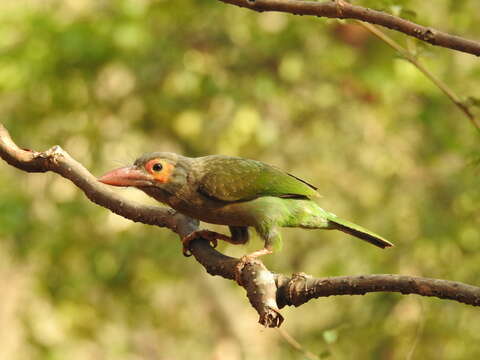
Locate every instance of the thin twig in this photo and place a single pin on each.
(340, 9)
(407, 55)
(296, 345)
(418, 333)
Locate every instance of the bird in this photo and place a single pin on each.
(237, 192)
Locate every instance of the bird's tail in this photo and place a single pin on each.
(348, 227)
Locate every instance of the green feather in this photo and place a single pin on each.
(236, 179)
(358, 231)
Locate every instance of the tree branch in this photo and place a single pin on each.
(59, 161)
(299, 289)
(340, 9)
(462, 106)
(268, 292)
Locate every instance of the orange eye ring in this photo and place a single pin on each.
(154, 166)
(159, 169)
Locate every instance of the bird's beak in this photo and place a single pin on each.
(126, 176)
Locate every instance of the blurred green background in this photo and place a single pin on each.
(110, 80)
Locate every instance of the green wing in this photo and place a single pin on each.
(236, 179)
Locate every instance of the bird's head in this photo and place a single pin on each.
(161, 170)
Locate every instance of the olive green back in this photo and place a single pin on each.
(236, 179)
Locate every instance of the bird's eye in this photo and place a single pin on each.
(157, 167)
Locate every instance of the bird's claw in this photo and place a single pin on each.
(211, 236)
(186, 252)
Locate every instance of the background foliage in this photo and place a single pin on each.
(109, 80)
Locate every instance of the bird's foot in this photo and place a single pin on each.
(244, 260)
(211, 236)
